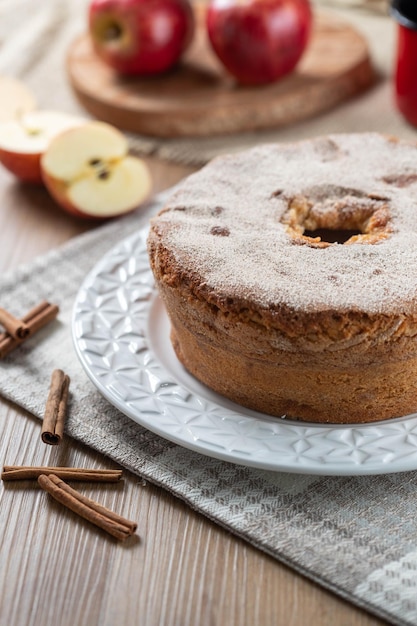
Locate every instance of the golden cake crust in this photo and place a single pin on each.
(278, 319)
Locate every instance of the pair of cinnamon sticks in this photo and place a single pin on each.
(51, 480)
(16, 332)
(19, 330)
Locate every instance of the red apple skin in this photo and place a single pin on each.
(259, 41)
(25, 166)
(57, 191)
(140, 37)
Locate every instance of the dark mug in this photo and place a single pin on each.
(405, 13)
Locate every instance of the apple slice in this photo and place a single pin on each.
(89, 172)
(24, 140)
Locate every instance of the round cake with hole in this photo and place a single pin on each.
(289, 274)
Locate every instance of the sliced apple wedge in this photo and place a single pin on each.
(89, 172)
(24, 140)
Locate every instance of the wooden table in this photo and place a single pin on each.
(56, 568)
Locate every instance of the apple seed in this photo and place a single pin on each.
(103, 175)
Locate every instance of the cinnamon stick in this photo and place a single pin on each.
(22, 472)
(35, 319)
(56, 408)
(15, 327)
(95, 513)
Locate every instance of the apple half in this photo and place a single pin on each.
(25, 139)
(89, 172)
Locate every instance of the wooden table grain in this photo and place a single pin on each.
(182, 570)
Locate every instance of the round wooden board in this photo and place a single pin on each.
(198, 98)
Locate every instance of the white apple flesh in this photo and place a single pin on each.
(89, 172)
(24, 140)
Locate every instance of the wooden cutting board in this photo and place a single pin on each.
(198, 98)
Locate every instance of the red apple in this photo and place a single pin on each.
(140, 37)
(23, 141)
(90, 174)
(259, 41)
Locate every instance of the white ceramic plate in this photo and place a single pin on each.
(121, 335)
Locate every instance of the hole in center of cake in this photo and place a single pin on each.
(326, 216)
(328, 235)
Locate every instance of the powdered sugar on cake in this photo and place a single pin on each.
(227, 225)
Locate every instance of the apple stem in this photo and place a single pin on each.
(112, 32)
